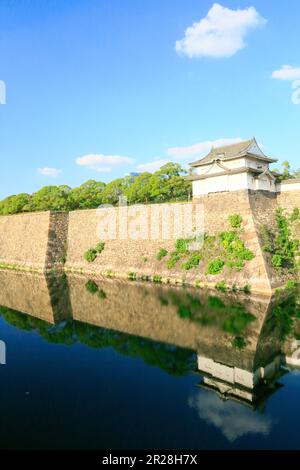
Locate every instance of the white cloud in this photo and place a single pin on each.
(220, 34)
(102, 163)
(234, 420)
(287, 72)
(200, 149)
(52, 172)
(184, 155)
(151, 167)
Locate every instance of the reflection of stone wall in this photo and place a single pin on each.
(26, 293)
(187, 318)
(131, 308)
(150, 311)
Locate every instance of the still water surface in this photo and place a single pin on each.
(105, 364)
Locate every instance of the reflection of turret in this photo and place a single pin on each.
(252, 374)
(251, 387)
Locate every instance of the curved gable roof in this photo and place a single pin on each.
(228, 152)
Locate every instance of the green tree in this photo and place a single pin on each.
(169, 184)
(140, 189)
(115, 189)
(15, 204)
(55, 198)
(87, 196)
(287, 173)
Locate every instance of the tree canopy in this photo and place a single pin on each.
(165, 185)
(286, 172)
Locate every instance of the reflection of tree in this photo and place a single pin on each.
(171, 359)
(231, 317)
(282, 316)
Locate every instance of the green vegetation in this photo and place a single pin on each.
(221, 286)
(286, 172)
(102, 294)
(156, 278)
(166, 184)
(171, 359)
(290, 285)
(280, 243)
(91, 287)
(90, 255)
(235, 221)
(131, 276)
(295, 216)
(216, 252)
(239, 342)
(234, 288)
(215, 267)
(182, 246)
(161, 254)
(282, 317)
(237, 320)
(63, 259)
(247, 289)
(100, 247)
(192, 262)
(174, 258)
(227, 315)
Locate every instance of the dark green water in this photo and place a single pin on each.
(102, 364)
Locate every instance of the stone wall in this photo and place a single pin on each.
(42, 241)
(57, 239)
(24, 240)
(121, 257)
(289, 200)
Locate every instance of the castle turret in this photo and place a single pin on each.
(233, 168)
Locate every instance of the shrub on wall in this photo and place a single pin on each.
(215, 267)
(235, 220)
(91, 254)
(280, 243)
(192, 262)
(91, 287)
(161, 254)
(217, 251)
(100, 247)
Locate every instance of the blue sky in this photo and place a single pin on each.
(98, 88)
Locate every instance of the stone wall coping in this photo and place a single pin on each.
(290, 181)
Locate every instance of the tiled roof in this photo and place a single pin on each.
(228, 152)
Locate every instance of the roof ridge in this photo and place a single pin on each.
(230, 150)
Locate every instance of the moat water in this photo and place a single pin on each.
(106, 364)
